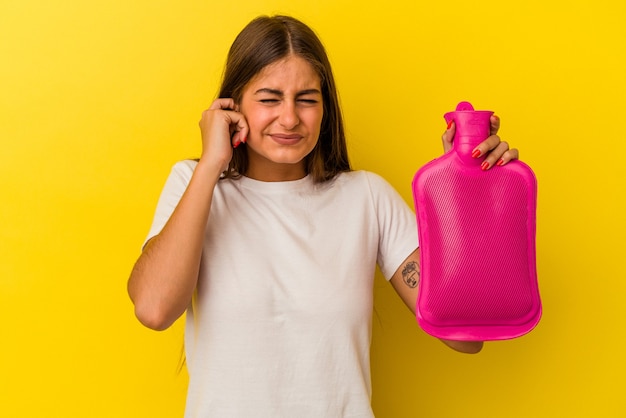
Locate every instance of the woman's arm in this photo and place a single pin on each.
(405, 282)
(164, 277)
(406, 278)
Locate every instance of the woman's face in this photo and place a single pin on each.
(284, 109)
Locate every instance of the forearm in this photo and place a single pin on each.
(164, 277)
(406, 280)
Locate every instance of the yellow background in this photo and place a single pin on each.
(99, 98)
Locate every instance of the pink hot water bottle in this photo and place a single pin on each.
(477, 240)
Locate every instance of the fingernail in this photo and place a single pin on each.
(245, 138)
(500, 162)
(450, 124)
(236, 144)
(476, 153)
(484, 166)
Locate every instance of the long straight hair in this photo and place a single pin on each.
(264, 41)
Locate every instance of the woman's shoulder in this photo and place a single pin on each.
(364, 182)
(366, 177)
(185, 166)
(180, 173)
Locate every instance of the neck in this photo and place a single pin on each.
(276, 172)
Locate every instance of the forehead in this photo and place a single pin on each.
(289, 73)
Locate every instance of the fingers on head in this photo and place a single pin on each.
(239, 134)
(225, 103)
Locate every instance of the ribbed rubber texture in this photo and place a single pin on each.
(477, 236)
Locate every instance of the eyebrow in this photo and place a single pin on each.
(281, 94)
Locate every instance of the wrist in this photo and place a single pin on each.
(210, 169)
(205, 176)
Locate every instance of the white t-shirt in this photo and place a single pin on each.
(280, 326)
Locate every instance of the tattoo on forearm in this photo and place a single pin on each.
(411, 274)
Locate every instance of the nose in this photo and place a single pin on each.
(288, 117)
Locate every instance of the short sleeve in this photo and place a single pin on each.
(173, 190)
(397, 225)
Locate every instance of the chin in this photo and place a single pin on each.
(291, 155)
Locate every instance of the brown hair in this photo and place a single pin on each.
(264, 41)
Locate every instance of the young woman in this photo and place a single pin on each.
(269, 242)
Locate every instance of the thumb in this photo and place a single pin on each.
(448, 136)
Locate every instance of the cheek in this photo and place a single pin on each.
(257, 122)
(314, 120)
